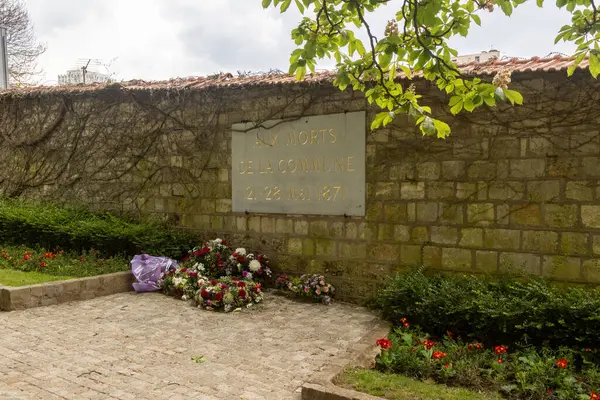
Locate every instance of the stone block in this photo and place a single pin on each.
(374, 211)
(295, 246)
(540, 241)
(453, 170)
(395, 212)
(502, 214)
(480, 213)
(561, 167)
(526, 214)
(319, 229)
(419, 234)
(444, 235)
(351, 230)
(596, 244)
(402, 233)
(505, 147)
(451, 213)
(470, 148)
(440, 190)
(428, 170)
(308, 247)
(527, 168)
(387, 190)
(580, 190)
(486, 261)
(223, 205)
(254, 224)
(325, 247)
(267, 225)
(574, 243)
(520, 263)
(561, 267)
(352, 250)
(456, 259)
(590, 167)
(509, 190)
(560, 215)
(403, 171)
(590, 216)
(385, 232)
(384, 252)
(432, 257)
(412, 190)
(471, 237)
(466, 191)
(410, 255)
(482, 170)
(224, 175)
(301, 227)
(590, 271)
(336, 229)
(541, 146)
(427, 212)
(502, 239)
(217, 222)
(543, 190)
(367, 231)
(284, 226)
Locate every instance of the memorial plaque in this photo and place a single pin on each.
(313, 165)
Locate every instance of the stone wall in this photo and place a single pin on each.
(512, 188)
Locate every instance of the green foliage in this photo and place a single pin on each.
(51, 226)
(60, 263)
(415, 42)
(11, 277)
(495, 310)
(525, 373)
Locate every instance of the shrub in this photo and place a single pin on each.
(495, 310)
(528, 373)
(51, 226)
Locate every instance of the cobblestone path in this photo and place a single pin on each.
(130, 346)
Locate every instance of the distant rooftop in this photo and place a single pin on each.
(535, 64)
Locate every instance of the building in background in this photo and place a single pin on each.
(479, 57)
(75, 76)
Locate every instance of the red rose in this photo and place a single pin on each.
(221, 263)
(27, 256)
(219, 296)
(186, 258)
(192, 274)
(44, 264)
(384, 344)
(562, 363)
(235, 254)
(241, 284)
(233, 278)
(204, 293)
(258, 285)
(184, 270)
(242, 293)
(223, 286)
(260, 271)
(213, 282)
(240, 259)
(218, 255)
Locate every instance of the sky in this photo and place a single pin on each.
(162, 39)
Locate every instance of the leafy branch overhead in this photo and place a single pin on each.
(415, 43)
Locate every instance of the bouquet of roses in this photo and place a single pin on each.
(228, 294)
(313, 286)
(249, 266)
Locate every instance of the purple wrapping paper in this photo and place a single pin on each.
(147, 271)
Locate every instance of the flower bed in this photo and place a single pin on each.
(520, 373)
(217, 277)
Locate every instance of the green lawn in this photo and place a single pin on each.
(11, 277)
(398, 387)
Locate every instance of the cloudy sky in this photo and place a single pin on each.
(161, 39)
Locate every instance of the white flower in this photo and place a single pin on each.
(184, 297)
(249, 276)
(241, 251)
(178, 282)
(219, 241)
(255, 265)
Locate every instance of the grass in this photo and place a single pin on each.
(10, 277)
(398, 387)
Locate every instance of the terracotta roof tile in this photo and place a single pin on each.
(534, 64)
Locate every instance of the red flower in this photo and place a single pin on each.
(548, 390)
(260, 258)
(213, 282)
(234, 279)
(235, 254)
(384, 344)
(579, 379)
(242, 293)
(44, 264)
(204, 293)
(594, 396)
(260, 271)
(240, 259)
(219, 296)
(223, 286)
(186, 258)
(561, 363)
(500, 361)
(500, 349)
(5, 255)
(221, 263)
(470, 347)
(82, 259)
(478, 346)
(184, 270)
(447, 365)
(428, 344)
(241, 284)
(27, 256)
(192, 274)
(437, 355)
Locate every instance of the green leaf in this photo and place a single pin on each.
(378, 121)
(506, 7)
(457, 107)
(476, 19)
(540, 3)
(428, 127)
(300, 73)
(442, 128)
(285, 5)
(513, 96)
(300, 6)
(594, 64)
(266, 3)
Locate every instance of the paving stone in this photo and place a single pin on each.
(129, 346)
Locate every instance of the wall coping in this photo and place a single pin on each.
(44, 294)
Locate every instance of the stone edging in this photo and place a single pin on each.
(321, 387)
(16, 298)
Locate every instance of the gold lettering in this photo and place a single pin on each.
(326, 165)
(274, 139)
(279, 166)
(300, 141)
(349, 167)
(246, 168)
(313, 137)
(323, 135)
(290, 163)
(332, 136)
(290, 138)
(316, 165)
(340, 163)
(305, 165)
